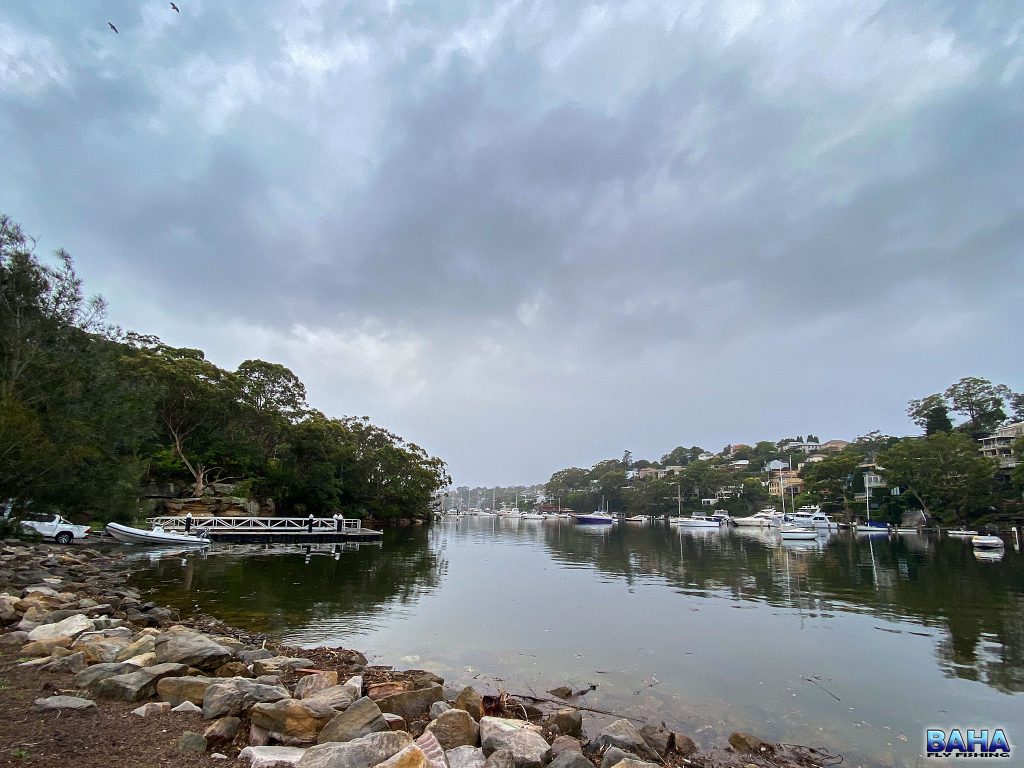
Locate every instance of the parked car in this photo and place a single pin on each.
(57, 528)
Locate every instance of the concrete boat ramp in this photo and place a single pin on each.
(272, 530)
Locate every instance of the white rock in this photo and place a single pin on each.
(188, 708)
(72, 626)
(271, 757)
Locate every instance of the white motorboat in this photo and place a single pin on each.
(798, 533)
(722, 516)
(812, 517)
(156, 535)
(696, 521)
(635, 519)
(872, 528)
(905, 531)
(531, 516)
(961, 532)
(766, 518)
(987, 542)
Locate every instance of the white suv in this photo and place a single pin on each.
(57, 528)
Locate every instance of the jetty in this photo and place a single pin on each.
(272, 530)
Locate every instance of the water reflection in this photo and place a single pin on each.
(906, 631)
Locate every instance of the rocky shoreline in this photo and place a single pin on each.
(83, 655)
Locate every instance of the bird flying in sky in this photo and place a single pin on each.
(113, 28)
(175, 8)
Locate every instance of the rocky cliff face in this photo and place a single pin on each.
(218, 500)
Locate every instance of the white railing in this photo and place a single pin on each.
(260, 524)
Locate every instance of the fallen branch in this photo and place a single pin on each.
(574, 706)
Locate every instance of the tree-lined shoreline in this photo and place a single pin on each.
(89, 413)
(940, 472)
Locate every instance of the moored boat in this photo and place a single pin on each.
(156, 535)
(812, 517)
(961, 532)
(531, 516)
(987, 542)
(696, 521)
(766, 518)
(872, 527)
(798, 533)
(635, 519)
(595, 518)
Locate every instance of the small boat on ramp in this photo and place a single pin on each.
(156, 535)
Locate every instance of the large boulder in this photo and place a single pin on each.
(528, 747)
(88, 678)
(466, 757)
(99, 649)
(291, 721)
(278, 664)
(238, 694)
(410, 757)
(135, 686)
(564, 744)
(568, 721)
(71, 627)
(364, 752)
(360, 719)
(614, 756)
(222, 731)
(176, 690)
(66, 704)
(338, 697)
(658, 738)
(432, 749)
(8, 611)
(455, 728)
(314, 683)
(44, 647)
(683, 744)
(470, 701)
(412, 704)
(181, 645)
(72, 663)
(137, 647)
(624, 735)
(570, 759)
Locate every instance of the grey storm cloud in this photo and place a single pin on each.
(533, 234)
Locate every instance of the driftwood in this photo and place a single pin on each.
(575, 706)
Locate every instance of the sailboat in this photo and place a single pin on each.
(871, 527)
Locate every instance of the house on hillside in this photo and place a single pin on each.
(784, 481)
(999, 446)
(835, 445)
(794, 446)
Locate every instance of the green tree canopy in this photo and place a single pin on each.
(930, 413)
(944, 472)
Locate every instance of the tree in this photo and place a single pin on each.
(980, 401)
(1017, 404)
(944, 472)
(271, 397)
(194, 400)
(829, 480)
(931, 414)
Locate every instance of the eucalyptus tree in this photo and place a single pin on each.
(944, 472)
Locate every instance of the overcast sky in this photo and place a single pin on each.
(530, 235)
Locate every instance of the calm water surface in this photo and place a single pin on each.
(858, 645)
